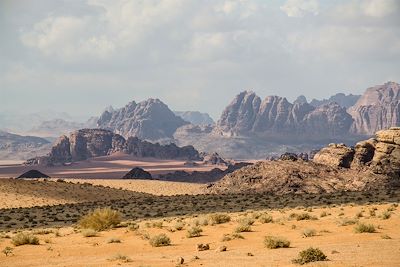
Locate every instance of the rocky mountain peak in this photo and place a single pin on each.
(378, 108)
(150, 119)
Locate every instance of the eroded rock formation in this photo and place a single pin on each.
(88, 143)
(377, 109)
(147, 120)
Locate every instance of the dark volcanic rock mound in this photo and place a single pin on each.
(137, 173)
(33, 174)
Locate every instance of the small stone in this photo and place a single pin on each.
(180, 260)
(221, 249)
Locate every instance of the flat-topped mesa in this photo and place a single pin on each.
(380, 155)
(89, 143)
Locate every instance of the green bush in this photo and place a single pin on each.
(364, 228)
(347, 221)
(101, 219)
(195, 231)
(24, 239)
(274, 242)
(179, 226)
(386, 215)
(160, 240)
(246, 221)
(310, 255)
(218, 218)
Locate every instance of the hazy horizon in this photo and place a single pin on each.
(82, 56)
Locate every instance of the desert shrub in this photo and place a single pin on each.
(308, 232)
(133, 226)
(323, 214)
(120, 257)
(42, 231)
(386, 215)
(219, 218)
(246, 221)
(113, 240)
(310, 255)
(243, 227)
(24, 239)
(302, 216)
(229, 237)
(160, 240)
(385, 236)
(7, 251)
(158, 224)
(89, 232)
(274, 242)
(265, 218)
(101, 219)
(364, 228)
(179, 226)
(359, 214)
(347, 221)
(194, 231)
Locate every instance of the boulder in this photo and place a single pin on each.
(137, 173)
(335, 155)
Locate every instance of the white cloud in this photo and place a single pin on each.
(357, 9)
(300, 8)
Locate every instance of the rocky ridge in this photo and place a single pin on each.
(195, 117)
(88, 143)
(371, 164)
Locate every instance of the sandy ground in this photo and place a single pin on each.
(341, 244)
(153, 187)
(15, 193)
(110, 167)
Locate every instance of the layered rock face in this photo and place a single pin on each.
(150, 120)
(381, 154)
(88, 143)
(195, 117)
(377, 109)
(276, 117)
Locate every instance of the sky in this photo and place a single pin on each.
(82, 56)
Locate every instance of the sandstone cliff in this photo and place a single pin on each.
(88, 143)
(278, 118)
(377, 109)
(149, 120)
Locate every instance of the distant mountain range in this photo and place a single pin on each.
(17, 147)
(250, 127)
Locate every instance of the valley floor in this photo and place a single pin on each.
(343, 247)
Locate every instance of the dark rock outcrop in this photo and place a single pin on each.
(137, 173)
(88, 143)
(377, 109)
(148, 120)
(201, 177)
(33, 174)
(214, 159)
